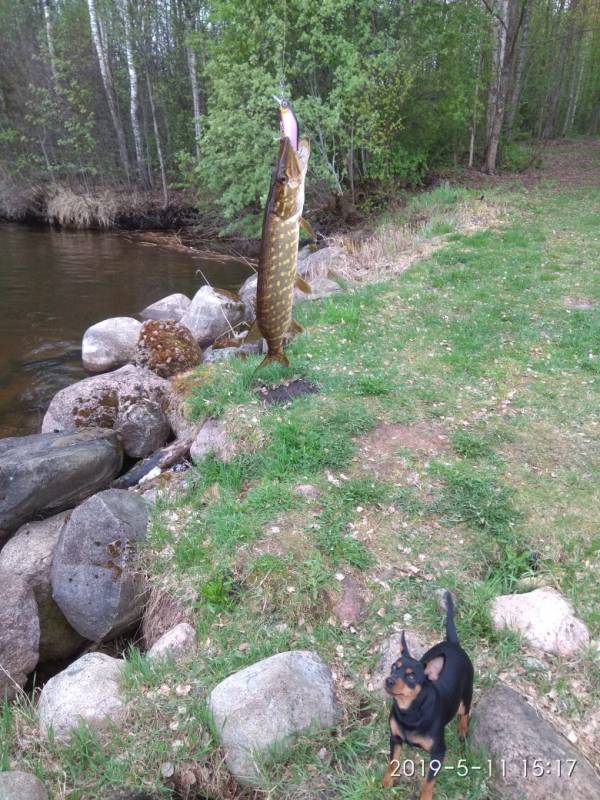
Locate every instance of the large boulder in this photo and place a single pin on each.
(172, 307)
(212, 313)
(110, 343)
(89, 691)
(544, 618)
(212, 438)
(94, 578)
(19, 634)
(513, 732)
(328, 262)
(131, 400)
(167, 348)
(268, 702)
(46, 473)
(321, 287)
(17, 785)
(29, 555)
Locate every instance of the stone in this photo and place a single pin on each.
(324, 263)
(212, 354)
(94, 578)
(178, 643)
(544, 618)
(167, 348)
(130, 400)
(46, 473)
(19, 634)
(17, 785)
(29, 555)
(247, 293)
(212, 313)
(307, 490)
(389, 651)
(512, 730)
(321, 287)
(268, 702)
(212, 438)
(89, 690)
(172, 307)
(110, 344)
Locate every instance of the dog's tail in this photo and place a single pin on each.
(451, 635)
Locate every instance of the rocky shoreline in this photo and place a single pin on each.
(75, 502)
(74, 498)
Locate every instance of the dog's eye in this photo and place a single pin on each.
(410, 677)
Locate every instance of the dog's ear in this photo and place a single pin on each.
(433, 668)
(403, 646)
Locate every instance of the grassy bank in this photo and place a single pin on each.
(454, 442)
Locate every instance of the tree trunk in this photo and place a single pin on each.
(564, 47)
(513, 19)
(159, 153)
(133, 94)
(475, 104)
(575, 83)
(108, 87)
(191, 59)
(515, 94)
(50, 41)
(498, 53)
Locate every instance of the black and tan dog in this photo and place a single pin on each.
(427, 693)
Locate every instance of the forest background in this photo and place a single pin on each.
(109, 96)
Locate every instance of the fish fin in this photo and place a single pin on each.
(303, 285)
(295, 327)
(308, 229)
(271, 358)
(254, 334)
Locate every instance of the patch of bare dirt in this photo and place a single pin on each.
(287, 391)
(378, 450)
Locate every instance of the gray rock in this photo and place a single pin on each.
(268, 702)
(212, 438)
(212, 354)
(178, 643)
(247, 293)
(29, 555)
(46, 473)
(544, 618)
(324, 263)
(131, 400)
(389, 652)
(19, 634)
(511, 730)
(109, 344)
(94, 580)
(212, 312)
(172, 307)
(21, 786)
(89, 691)
(321, 287)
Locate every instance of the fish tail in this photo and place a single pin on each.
(270, 358)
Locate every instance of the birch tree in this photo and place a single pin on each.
(133, 93)
(108, 86)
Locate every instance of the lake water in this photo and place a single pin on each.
(55, 284)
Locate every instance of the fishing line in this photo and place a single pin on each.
(283, 46)
(208, 283)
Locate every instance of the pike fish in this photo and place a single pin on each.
(278, 257)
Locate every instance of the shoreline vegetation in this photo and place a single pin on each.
(452, 443)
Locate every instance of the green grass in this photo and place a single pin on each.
(477, 342)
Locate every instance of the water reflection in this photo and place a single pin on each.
(54, 284)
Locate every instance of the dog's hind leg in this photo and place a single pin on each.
(464, 711)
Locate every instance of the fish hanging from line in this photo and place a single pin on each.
(278, 257)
